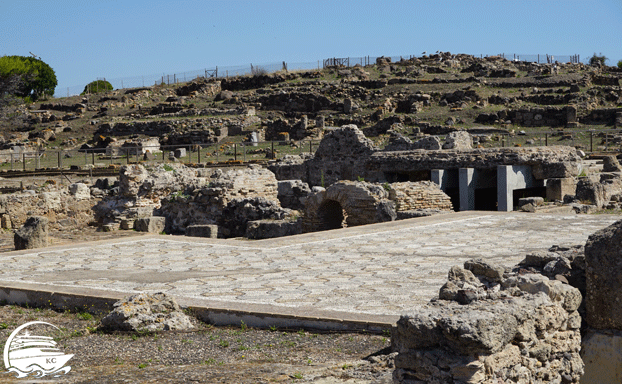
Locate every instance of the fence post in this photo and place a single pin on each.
(235, 151)
(199, 156)
(546, 139)
(12, 161)
(24, 159)
(273, 154)
(127, 155)
(93, 157)
(310, 146)
(60, 163)
(591, 141)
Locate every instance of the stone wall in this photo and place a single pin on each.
(533, 117)
(340, 156)
(492, 325)
(200, 130)
(410, 196)
(546, 162)
(350, 203)
(346, 154)
(206, 204)
(63, 210)
(345, 204)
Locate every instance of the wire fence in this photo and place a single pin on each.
(240, 70)
(199, 154)
(230, 153)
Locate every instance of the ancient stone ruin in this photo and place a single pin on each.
(492, 325)
(478, 178)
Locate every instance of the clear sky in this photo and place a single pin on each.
(83, 40)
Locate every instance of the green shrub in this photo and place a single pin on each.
(97, 86)
(598, 60)
(31, 76)
(620, 64)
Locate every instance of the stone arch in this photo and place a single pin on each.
(331, 215)
(347, 204)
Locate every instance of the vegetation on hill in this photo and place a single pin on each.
(26, 77)
(97, 86)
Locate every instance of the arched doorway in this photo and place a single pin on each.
(331, 215)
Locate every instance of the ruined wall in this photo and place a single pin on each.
(345, 204)
(533, 117)
(62, 209)
(492, 326)
(601, 348)
(340, 156)
(346, 154)
(419, 195)
(206, 204)
(185, 131)
(546, 162)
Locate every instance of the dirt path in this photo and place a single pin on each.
(208, 354)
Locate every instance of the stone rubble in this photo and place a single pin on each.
(146, 313)
(33, 234)
(492, 325)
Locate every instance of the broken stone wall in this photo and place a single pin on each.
(63, 210)
(410, 196)
(340, 156)
(492, 325)
(345, 204)
(602, 352)
(206, 204)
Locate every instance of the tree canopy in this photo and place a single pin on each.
(36, 77)
(97, 86)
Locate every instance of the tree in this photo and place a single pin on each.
(620, 64)
(9, 87)
(97, 86)
(598, 60)
(36, 77)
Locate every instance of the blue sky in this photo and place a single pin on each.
(87, 39)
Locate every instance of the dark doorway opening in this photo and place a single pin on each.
(486, 199)
(331, 216)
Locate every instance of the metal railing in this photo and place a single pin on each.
(227, 71)
(200, 154)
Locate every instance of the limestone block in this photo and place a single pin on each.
(146, 312)
(266, 229)
(80, 190)
(153, 224)
(602, 355)
(556, 189)
(33, 234)
(611, 164)
(180, 152)
(603, 252)
(592, 192)
(202, 230)
(5, 221)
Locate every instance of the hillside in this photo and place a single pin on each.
(501, 102)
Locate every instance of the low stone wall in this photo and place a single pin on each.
(203, 130)
(410, 196)
(533, 117)
(63, 210)
(546, 162)
(602, 351)
(346, 154)
(490, 326)
(347, 203)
